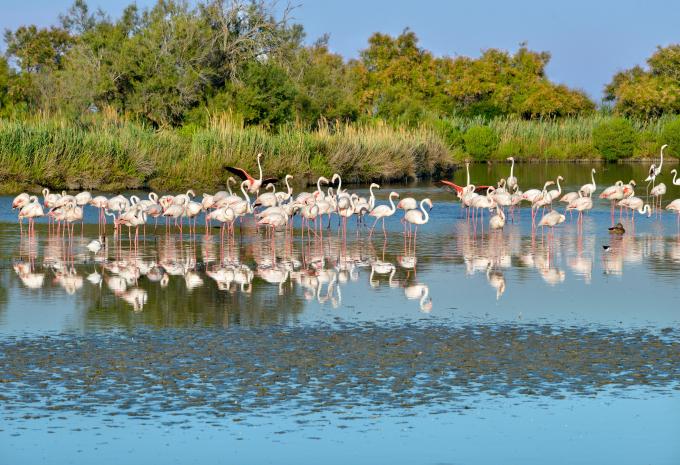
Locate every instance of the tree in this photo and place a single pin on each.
(4, 83)
(324, 89)
(648, 93)
(394, 76)
(265, 96)
(498, 83)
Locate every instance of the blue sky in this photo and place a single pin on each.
(589, 40)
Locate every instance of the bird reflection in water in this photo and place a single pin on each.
(317, 267)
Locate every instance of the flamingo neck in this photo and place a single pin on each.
(245, 193)
(425, 214)
(259, 167)
(592, 176)
(394, 208)
(512, 167)
(290, 189)
(467, 170)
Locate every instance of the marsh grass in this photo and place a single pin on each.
(115, 156)
(111, 154)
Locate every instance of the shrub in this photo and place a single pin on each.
(670, 135)
(647, 145)
(480, 142)
(614, 139)
(452, 135)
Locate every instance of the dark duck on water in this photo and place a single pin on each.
(617, 229)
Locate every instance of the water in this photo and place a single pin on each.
(512, 347)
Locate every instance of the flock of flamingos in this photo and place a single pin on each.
(276, 209)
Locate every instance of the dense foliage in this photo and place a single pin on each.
(614, 139)
(174, 64)
(480, 142)
(649, 93)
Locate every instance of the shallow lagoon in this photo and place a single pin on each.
(501, 348)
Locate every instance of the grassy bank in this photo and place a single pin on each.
(110, 154)
(61, 155)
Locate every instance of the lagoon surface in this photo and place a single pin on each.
(512, 347)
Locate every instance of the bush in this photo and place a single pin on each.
(614, 139)
(671, 135)
(647, 145)
(448, 131)
(480, 142)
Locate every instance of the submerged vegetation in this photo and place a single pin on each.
(165, 97)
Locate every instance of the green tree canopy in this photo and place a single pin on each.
(648, 93)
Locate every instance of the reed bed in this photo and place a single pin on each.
(112, 154)
(63, 155)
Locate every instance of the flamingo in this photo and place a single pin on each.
(580, 205)
(284, 196)
(541, 200)
(417, 218)
(511, 182)
(407, 203)
(175, 211)
(635, 204)
(183, 199)
(192, 210)
(224, 215)
(483, 202)
(675, 206)
(658, 192)
(675, 174)
(50, 200)
(102, 203)
(346, 211)
(613, 194)
(31, 210)
(382, 212)
(252, 183)
(83, 198)
(654, 170)
(20, 201)
(588, 189)
(268, 199)
(555, 193)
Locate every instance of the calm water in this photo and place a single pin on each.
(508, 347)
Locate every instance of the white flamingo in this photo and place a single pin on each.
(418, 218)
(589, 189)
(382, 212)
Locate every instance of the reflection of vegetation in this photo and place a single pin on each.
(175, 306)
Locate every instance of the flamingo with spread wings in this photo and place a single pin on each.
(253, 184)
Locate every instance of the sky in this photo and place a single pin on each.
(589, 40)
